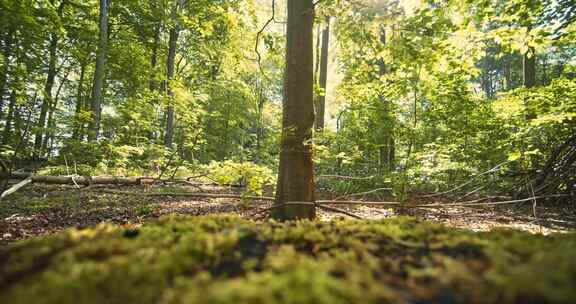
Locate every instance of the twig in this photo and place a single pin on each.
(363, 193)
(258, 39)
(340, 211)
(344, 177)
(468, 182)
(465, 204)
(309, 204)
(325, 202)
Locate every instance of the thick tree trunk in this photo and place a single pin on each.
(323, 78)
(296, 172)
(170, 64)
(48, 98)
(99, 73)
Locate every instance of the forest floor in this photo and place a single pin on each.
(46, 209)
(160, 249)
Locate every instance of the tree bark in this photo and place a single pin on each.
(323, 78)
(170, 64)
(79, 103)
(296, 172)
(51, 122)
(529, 68)
(387, 150)
(6, 50)
(154, 58)
(48, 98)
(99, 73)
(9, 118)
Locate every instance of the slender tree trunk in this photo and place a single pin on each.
(260, 127)
(9, 118)
(79, 103)
(154, 58)
(529, 68)
(99, 73)
(170, 64)
(296, 172)
(48, 98)
(545, 70)
(386, 150)
(317, 53)
(323, 79)
(6, 50)
(508, 74)
(51, 122)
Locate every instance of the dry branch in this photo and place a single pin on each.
(106, 180)
(364, 193)
(80, 180)
(335, 202)
(309, 204)
(344, 177)
(16, 187)
(187, 194)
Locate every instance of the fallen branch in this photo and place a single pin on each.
(468, 204)
(340, 211)
(344, 177)
(16, 187)
(325, 202)
(80, 180)
(364, 193)
(317, 205)
(105, 180)
(187, 194)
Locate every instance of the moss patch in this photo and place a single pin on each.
(223, 259)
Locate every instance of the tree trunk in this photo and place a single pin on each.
(260, 127)
(296, 172)
(99, 73)
(386, 151)
(323, 78)
(529, 68)
(170, 64)
(545, 70)
(9, 118)
(79, 103)
(51, 122)
(6, 50)
(508, 73)
(154, 58)
(48, 98)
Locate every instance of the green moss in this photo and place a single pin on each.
(222, 259)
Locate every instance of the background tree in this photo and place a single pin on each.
(99, 72)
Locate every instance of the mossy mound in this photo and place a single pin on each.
(222, 259)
